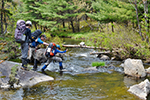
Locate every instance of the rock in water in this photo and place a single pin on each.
(141, 90)
(134, 67)
(26, 78)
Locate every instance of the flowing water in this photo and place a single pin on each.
(78, 84)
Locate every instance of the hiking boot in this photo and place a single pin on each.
(34, 69)
(35, 65)
(24, 68)
(42, 70)
(63, 69)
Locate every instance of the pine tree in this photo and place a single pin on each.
(49, 14)
(107, 11)
(5, 14)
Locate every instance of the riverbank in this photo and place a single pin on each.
(124, 42)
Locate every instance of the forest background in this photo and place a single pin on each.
(117, 25)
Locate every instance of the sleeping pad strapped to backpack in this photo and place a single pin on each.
(50, 50)
(36, 34)
(20, 31)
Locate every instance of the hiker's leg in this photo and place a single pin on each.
(24, 51)
(58, 59)
(46, 64)
(35, 59)
(60, 66)
(24, 62)
(35, 65)
(31, 53)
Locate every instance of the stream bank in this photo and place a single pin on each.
(105, 85)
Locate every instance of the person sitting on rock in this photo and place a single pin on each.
(50, 53)
(33, 47)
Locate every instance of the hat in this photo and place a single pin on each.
(58, 46)
(43, 35)
(28, 23)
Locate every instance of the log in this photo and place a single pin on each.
(105, 53)
(88, 47)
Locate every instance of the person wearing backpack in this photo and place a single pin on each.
(25, 45)
(50, 53)
(33, 47)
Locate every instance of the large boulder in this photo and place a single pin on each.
(134, 67)
(40, 54)
(26, 78)
(141, 90)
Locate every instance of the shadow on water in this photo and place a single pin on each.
(104, 83)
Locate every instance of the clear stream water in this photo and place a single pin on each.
(107, 84)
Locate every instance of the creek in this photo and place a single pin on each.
(76, 84)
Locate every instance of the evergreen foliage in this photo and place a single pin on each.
(111, 11)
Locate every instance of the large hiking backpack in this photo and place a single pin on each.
(36, 34)
(50, 50)
(20, 31)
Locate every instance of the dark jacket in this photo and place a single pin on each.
(28, 35)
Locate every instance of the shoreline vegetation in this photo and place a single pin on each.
(125, 41)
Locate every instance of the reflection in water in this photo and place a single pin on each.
(129, 81)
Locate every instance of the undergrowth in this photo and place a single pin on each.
(126, 41)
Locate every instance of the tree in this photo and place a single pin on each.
(137, 16)
(5, 14)
(146, 18)
(109, 11)
(59, 12)
(2, 15)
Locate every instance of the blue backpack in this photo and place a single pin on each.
(20, 31)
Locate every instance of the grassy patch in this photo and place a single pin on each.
(98, 64)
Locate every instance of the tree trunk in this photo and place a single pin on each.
(133, 24)
(64, 25)
(78, 25)
(85, 17)
(5, 24)
(35, 26)
(73, 30)
(146, 19)
(138, 20)
(2, 17)
(112, 27)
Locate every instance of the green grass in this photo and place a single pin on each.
(97, 64)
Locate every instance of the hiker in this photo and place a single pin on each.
(25, 45)
(33, 47)
(51, 51)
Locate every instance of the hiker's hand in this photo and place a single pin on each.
(66, 50)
